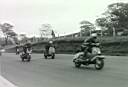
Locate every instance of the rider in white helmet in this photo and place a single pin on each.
(94, 34)
(51, 42)
(86, 46)
(48, 45)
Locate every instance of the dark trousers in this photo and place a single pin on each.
(87, 51)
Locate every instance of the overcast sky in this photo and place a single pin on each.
(64, 15)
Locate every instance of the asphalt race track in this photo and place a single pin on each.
(60, 72)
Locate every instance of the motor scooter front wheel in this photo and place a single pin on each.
(99, 64)
(45, 56)
(22, 57)
(28, 58)
(53, 56)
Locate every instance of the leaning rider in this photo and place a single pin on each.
(87, 45)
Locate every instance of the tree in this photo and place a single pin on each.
(23, 38)
(46, 31)
(109, 22)
(117, 14)
(7, 31)
(86, 27)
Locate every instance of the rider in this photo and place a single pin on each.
(17, 47)
(87, 45)
(27, 47)
(48, 45)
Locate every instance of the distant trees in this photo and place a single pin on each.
(86, 28)
(22, 38)
(115, 18)
(6, 28)
(110, 23)
(46, 31)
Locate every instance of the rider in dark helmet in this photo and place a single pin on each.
(87, 45)
(27, 47)
(17, 47)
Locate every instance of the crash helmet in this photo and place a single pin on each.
(51, 42)
(94, 35)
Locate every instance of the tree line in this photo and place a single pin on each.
(8, 32)
(111, 22)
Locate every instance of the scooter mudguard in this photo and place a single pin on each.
(77, 55)
(100, 57)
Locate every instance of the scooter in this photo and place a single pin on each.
(50, 53)
(93, 58)
(26, 56)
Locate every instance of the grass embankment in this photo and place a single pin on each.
(109, 45)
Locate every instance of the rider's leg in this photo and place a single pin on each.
(89, 53)
(85, 53)
(47, 50)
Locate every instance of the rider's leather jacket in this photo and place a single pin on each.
(88, 43)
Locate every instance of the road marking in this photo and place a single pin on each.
(5, 83)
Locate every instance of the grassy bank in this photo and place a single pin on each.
(109, 45)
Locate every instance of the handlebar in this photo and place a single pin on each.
(96, 44)
(93, 44)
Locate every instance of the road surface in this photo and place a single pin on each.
(61, 72)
